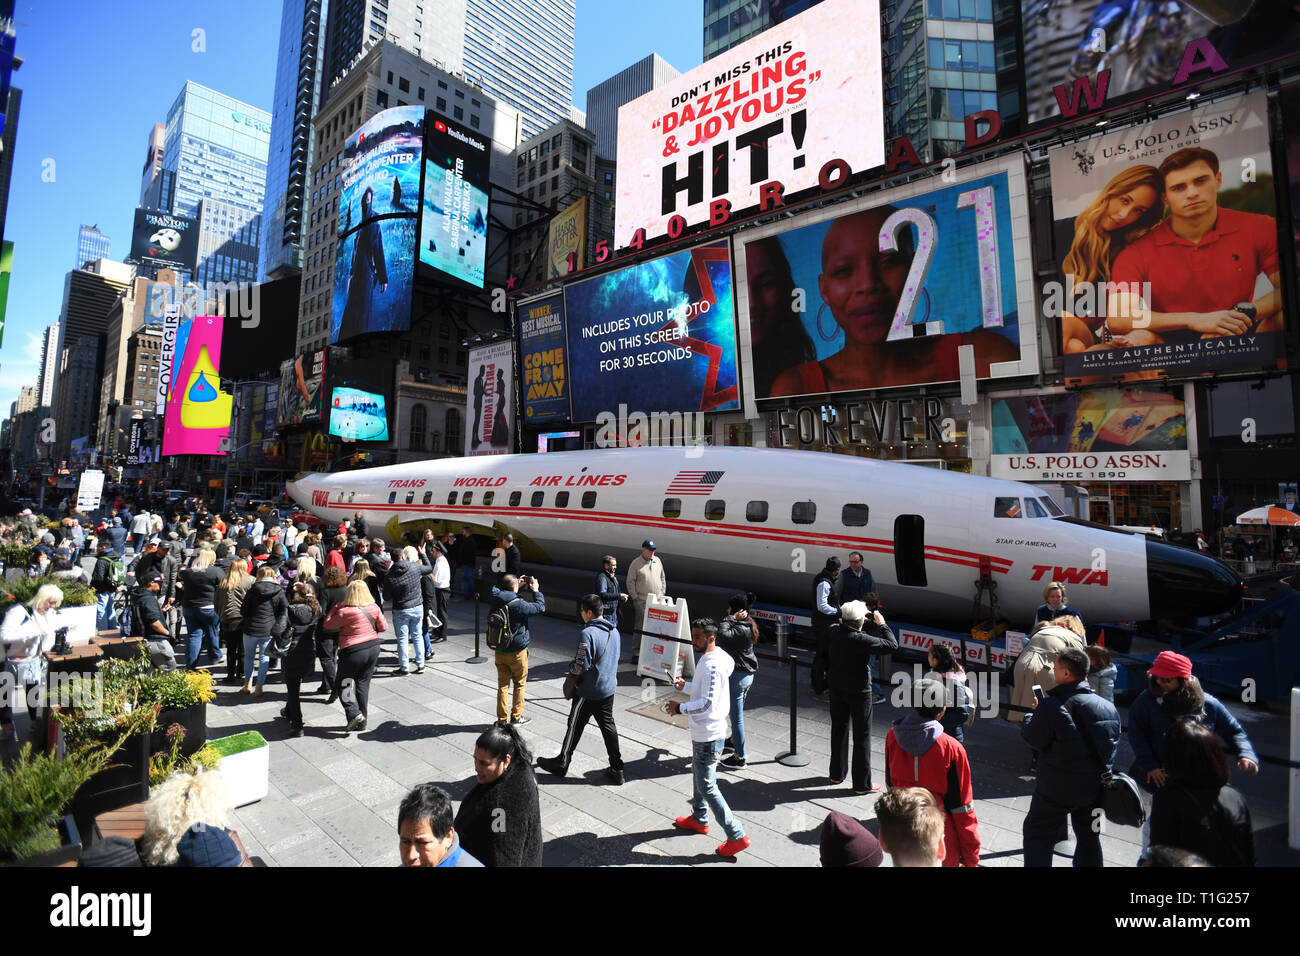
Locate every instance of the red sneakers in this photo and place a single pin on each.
(688, 823)
(732, 847)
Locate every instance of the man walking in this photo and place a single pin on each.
(737, 635)
(596, 661)
(708, 708)
(141, 527)
(1076, 734)
(512, 656)
(107, 578)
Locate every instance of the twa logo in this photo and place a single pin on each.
(320, 499)
(1071, 575)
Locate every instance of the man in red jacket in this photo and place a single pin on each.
(919, 754)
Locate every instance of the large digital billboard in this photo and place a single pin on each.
(454, 217)
(1102, 434)
(302, 389)
(882, 291)
(163, 240)
(543, 351)
(490, 411)
(358, 416)
(378, 214)
(659, 336)
(1129, 48)
(197, 414)
(775, 108)
(1167, 242)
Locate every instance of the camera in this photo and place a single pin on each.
(60, 640)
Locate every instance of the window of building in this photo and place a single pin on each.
(555, 184)
(473, 120)
(381, 98)
(442, 84)
(390, 78)
(420, 94)
(555, 141)
(672, 507)
(537, 499)
(555, 163)
(460, 94)
(453, 428)
(441, 104)
(443, 356)
(457, 112)
(403, 83)
(419, 427)
(803, 512)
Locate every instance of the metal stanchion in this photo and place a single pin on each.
(478, 658)
(794, 758)
(782, 638)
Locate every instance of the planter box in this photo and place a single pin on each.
(195, 721)
(247, 773)
(117, 786)
(66, 855)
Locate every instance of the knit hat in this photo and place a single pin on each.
(203, 845)
(846, 842)
(1169, 664)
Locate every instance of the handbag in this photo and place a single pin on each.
(571, 680)
(1121, 800)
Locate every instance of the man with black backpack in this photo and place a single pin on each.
(106, 580)
(507, 634)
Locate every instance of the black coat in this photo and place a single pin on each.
(850, 654)
(519, 842)
(330, 597)
(301, 661)
(1212, 824)
(265, 609)
(402, 584)
(1068, 773)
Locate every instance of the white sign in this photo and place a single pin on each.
(775, 109)
(661, 658)
(1015, 643)
(171, 324)
(1094, 466)
(489, 414)
(89, 490)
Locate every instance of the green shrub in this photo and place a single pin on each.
(23, 589)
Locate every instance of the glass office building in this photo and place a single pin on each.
(521, 53)
(728, 22)
(91, 245)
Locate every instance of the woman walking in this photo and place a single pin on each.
(230, 609)
(300, 661)
(265, 612)
(359, 622)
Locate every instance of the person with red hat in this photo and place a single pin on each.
(1173, 693)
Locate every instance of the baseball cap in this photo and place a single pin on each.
(1169, 664)
(649, 543)
(152, 576)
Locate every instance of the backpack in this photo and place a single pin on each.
(500, 635)
(116, 572)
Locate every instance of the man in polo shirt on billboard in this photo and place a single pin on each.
(1202, 262)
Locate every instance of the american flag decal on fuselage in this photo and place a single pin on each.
(694, 482)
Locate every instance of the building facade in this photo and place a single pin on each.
(604, 99)
(521, 53)
(91, 245)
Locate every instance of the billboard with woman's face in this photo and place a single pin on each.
(882, 292)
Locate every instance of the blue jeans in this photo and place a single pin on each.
(466, 581)
(706, 797)
(255, 649)
(739, 683)
(407, 623)
(201, 623)
(105, 612)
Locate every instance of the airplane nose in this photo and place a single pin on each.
(1184, 583)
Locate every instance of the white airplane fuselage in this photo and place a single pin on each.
(766, 520)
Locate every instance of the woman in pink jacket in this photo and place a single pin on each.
(359, 622)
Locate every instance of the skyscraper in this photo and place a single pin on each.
(7, 150)
(604, 99)
(91, 245)
(727, 23)
(151, 178)
(49, 365)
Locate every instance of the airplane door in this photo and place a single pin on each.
(909, 551)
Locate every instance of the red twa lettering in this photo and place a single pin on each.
(1071, 575)
(320, 498)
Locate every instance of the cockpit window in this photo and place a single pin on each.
(1007, 508)
(1052, 508)
(1033, 509)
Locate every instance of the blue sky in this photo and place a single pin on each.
(96, 77)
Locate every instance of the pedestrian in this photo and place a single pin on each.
(1055, 604)
(426, 836)
(824, 614)
(230, 611)
(844, 841)
(359, 622)
(919, 753)
(148, 615)
(360, 527)
(595, 663)
(854, 585)
(1101, 671)
(1076, 732)
(945, 669)
(1037, 661)
(512, 561)
(608, 589)
(737, 635)
(911, 827)
(27, 635)
(141, 528)
(850, 645)
(645, 576)
(500, 819)
(300, 659)
(327, 640)
(107, 579)
(380, 562)
(403, 577)
(436, 593)
(198, 588)
(512, 655)
(707, 708)
(265, 612)
(1196, 810)
(466, 560)
(115, 534)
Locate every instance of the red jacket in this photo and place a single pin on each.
(919, 754)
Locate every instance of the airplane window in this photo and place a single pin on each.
(515, 498)
(392, 497)
(804, 512)
(467, 497)
(410, 497)
(854, 516)
(589, 499)
(1052, 508)
(428, 496)
(1033, 509)
(1007, 508)
(451, 497)
(909, 550)
(488, 496)
(672, 507)
(538, 497)
(715, 509)
(561, 499)
(351, 496)
(756, 511)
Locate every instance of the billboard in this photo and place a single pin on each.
(302, 389)
(1094, 435)
(6, 267)
(660, 333)
(490, 412)
(197, 416)
(1167, 244)
(171, 323)
(374, 262)
(542, 347)
(163, 240)
(454, 213)
(358, 416)
(567, 236)
(775, 108)
(1137, 48)
(135, 441)
(892, 285)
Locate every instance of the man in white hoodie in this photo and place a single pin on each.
(708, 709)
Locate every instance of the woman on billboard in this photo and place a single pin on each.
(1127, 208)
(368, 271)
(777, 337)
(861, 286)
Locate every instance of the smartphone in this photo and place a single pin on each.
(1038, 692)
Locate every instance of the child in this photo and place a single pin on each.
(1101, 672)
